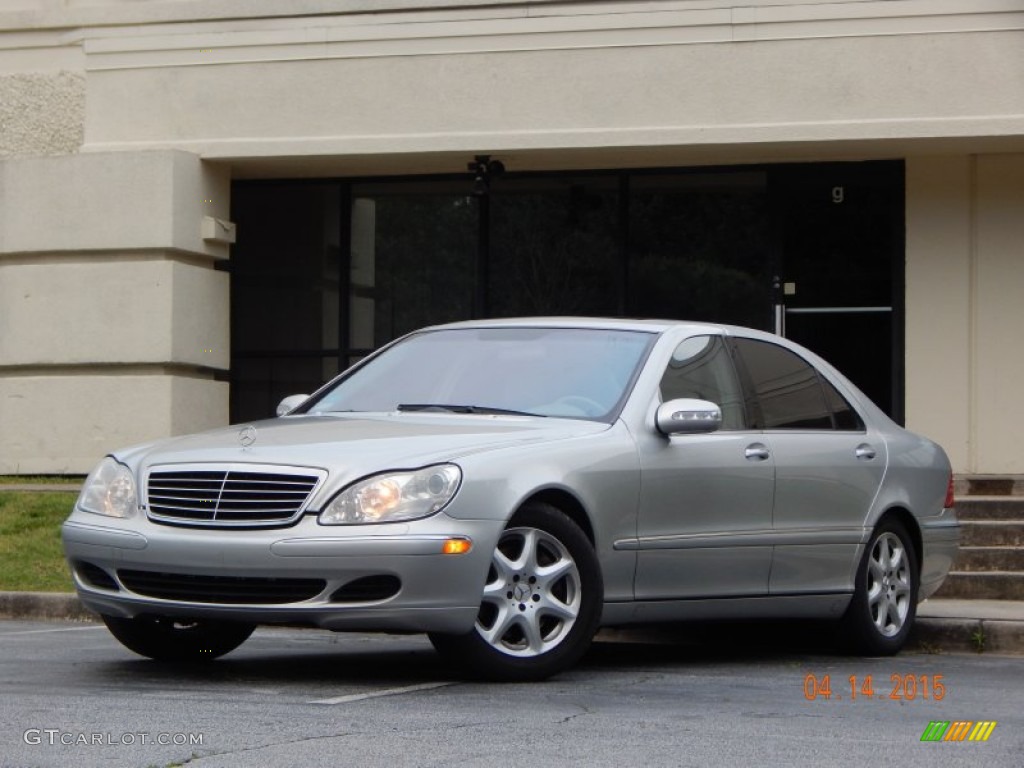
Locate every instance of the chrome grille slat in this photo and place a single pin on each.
(192, 508)
(169, 499)
(234, 496)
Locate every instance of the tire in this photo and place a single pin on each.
(540, 606)
(165, 639)
(878, 619)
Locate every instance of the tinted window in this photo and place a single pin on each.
(843, 414)
(702, 368)
(788, 390)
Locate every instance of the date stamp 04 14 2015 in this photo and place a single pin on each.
(906, 687)
(903, 688)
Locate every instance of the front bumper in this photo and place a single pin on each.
(431, 591)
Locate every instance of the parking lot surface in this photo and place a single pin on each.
(748, 695)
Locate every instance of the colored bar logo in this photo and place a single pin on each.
(958, 730)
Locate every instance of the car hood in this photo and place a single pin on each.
(354, 445)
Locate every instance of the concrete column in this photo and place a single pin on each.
(965, 280)
(114, 324)
(998, 284)
(938, 302)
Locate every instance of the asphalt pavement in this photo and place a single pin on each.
(70, 695)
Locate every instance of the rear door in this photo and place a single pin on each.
(828, 467)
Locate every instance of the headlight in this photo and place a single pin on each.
(109, 490)
(394, 497)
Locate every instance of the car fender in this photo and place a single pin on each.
(600, 473)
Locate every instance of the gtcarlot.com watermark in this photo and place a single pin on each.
(57, 737)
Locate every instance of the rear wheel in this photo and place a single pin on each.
(166, 639)
(541, 603)
(884, 604)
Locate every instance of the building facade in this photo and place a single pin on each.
(206, 205)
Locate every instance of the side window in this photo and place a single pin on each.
(846, 419)
(787, 389)
(702, 368)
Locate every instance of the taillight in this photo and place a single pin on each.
(949, 493)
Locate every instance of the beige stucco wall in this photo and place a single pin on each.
(965, 280)
(111, 202)
(582, 84)
(997, 367)
(111, 310)
(667, 96)
(113, 320)
(41, 113)
(64, 423)
(122, 125)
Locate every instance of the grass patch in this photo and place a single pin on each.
(31, 558)
(42, 479)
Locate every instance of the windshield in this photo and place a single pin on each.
(565, 372)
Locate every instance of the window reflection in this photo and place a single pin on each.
(701, 368)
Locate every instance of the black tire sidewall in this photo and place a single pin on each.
(859, 631)
(156, 638)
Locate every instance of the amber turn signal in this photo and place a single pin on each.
(456, 546)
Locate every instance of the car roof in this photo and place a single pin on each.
(654, 326)
(597, 323)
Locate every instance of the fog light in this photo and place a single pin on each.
(456, 546)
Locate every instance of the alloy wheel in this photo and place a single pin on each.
(889, 588)
(533, 594)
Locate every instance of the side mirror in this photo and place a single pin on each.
(290, 403)
(688, 417)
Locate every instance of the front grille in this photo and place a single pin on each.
(229, 496)
(245, 590)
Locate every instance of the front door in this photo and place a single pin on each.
(704, 526)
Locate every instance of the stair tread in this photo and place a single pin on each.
(987, 497)
(991, 522)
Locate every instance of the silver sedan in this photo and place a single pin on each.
(510, 486)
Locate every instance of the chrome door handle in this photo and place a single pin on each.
(864, 451)
(757, 452)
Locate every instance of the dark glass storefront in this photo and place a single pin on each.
(325, 271)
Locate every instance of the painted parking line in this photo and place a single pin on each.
(378, 694)
(43, 631)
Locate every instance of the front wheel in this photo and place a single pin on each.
(166, 639)
(884, 603)
(541, 603)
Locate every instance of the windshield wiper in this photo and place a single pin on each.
(481, 409)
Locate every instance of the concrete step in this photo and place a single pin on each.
(994, 485)
(989, 559)
(992, 533)
(990, 508)
(989, 585)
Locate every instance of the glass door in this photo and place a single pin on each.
(286, 289)
(839, 292)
